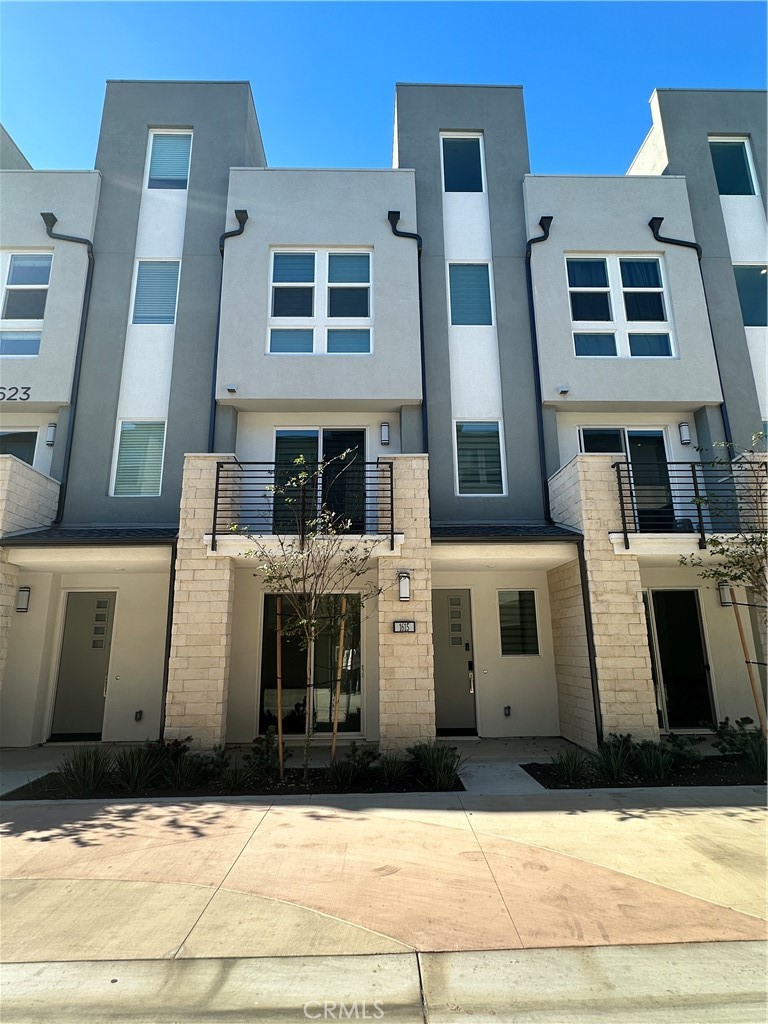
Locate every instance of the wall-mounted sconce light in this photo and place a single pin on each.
(404, 583)
(685, 433)
(22, 599)
(50, 435)
(724, 592)
(563, 389)
(385, 434)
(232, 388)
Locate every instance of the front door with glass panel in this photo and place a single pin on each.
(651, 492)
(298, 491)
(679, 660)
(454, 663)
(81, 689)
(334, 661)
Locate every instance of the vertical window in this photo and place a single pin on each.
(139, 468)
(470, 293)
(462, 165)
(517, 622)
(478, 457)
(293, 277)
(20, 443)
(752, 285)
(348, 284)
(589, 291)
(169, 160)
(731, 162)
(641, 284)
(26, 288)
(157, 283)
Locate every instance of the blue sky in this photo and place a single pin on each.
(323, 73)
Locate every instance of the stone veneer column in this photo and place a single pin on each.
(198, 669)
(584, 495)
(406, 660)
(9, 578)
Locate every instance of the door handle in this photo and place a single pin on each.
(106, 682)
(471, 681)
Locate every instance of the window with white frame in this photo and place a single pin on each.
(478, 458)
(517, 622)
(27, 276)
(139, 459)
(462, 163)
(320, 302)
(169, 159)
(732, 162)
(157, 286)
(752, 286)
(618, 307)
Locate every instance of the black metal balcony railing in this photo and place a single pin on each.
(271, 498)
(692, 497)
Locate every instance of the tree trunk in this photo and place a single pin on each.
(750, 671)
(339, 667)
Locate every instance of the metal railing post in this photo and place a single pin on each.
(391, 506)
(617, 466)
(215, 506)
(697, 501)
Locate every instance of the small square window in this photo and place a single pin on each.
(348, 341)
(650, 345)
(291, 341)
(169, 160)
(292, 302)
(470, 294)
(731, 164)
(595, 344)
(462, 165)
(644, 306)
(19, 343)
(517, 622)
(752, 285)
(348, 302)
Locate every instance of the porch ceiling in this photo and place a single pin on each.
(500, 555)
(120, 558)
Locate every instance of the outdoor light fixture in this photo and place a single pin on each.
(385, 434)
(724, 590)
(50, 434)
(232, 388)
(22, 599)
(404, 583)
(563, 389)
(685, 433)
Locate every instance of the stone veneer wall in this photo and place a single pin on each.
(406, 660)
(198, 669)
(28, 499)
(584, 495)
(569, 640)
(9, 581)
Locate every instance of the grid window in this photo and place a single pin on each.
(157, 284)
(478, 458)
(589, 291)
(462, 165)
(733, 173)
(517, 622)
(26, 288)
(752, 285)
(169, 160)
(641, 284)
(470, 290)
(139, 468)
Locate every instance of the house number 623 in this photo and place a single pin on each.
(14, 394)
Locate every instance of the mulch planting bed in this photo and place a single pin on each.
(723, 770)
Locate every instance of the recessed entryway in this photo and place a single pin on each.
(455, 713)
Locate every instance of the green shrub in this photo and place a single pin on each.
(187, 771)
(684, 750)
(393, 769)
(571, 766)
(87, 770)
(438, 766)
(234, 777)
(263, 759)
(354, 767)
(341, 774)
(653, 760)
(136, 769)
(613, 759)
(745, 739)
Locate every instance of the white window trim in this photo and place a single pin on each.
(37, 431)
(152, 259)
(148, 158)
(320, 322)
(502, 450)
(483, 178)
(22, 326)
(470, 327)
(745, 139)
(619, 326)
(535, 591)
(116, 450)
(748, 263)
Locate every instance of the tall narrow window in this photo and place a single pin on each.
(470, 294)
(139, 467)
(462, 165)
(732, 171)
(588, 286)
(752, 285)
(517, 622)
(169, 160)
(478, 455)
(348, 284)
(641, 284)
(157, 283)
(293, 277)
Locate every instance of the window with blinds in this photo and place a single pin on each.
(517, 622)
(139, 467)
(470, 294)
(478, 454)
(157, 283)
(169, 160)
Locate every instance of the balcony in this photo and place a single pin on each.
(692, 497)
(28, 498)
(268, 498)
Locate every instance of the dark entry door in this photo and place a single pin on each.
(683, 662)
(650, 481)
(454, 663)
(78, 713)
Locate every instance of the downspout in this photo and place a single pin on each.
(394, 216)
(544, 224)
(168, 636)
(242, 217)
(654, 224)
(50, 219)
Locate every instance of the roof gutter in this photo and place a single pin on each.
(393, 216)
(50, 219)
(654, 224)
(544, 224)
(242, 217)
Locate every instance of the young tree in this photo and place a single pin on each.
(317, 567)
